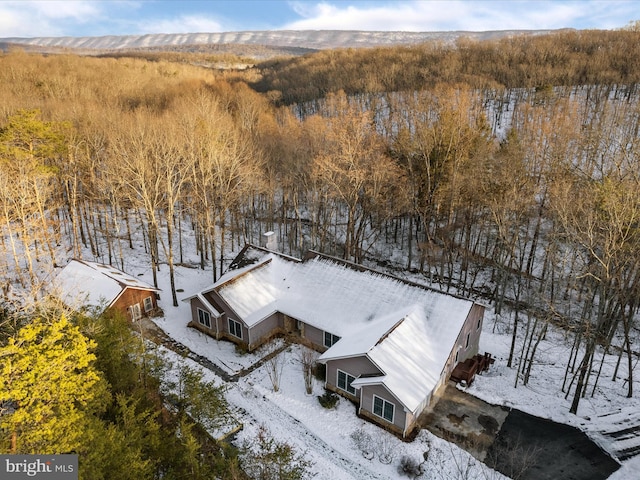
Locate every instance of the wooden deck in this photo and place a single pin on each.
(467, 370)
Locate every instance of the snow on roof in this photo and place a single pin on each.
(413, 355)
(325, 294)
(253, 292)
(84, 283)
(407, 330)
(364, 339)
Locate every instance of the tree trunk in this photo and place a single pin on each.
(513, 339)
(585, 365)
(169, 253)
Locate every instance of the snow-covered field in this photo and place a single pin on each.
(324, 436)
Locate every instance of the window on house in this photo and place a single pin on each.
(330, 339)
(466, 343)
(148, 304)
(479, 323)
(135, 311)
(344, 382)
(204, 318)
(235, 328)
(383, 409)
(457, 354)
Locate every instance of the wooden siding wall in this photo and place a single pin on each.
(315, 336)
(470, 326)
(366, 406)
(355, 367)
(131, 296)
(195, 304)
(266, 329)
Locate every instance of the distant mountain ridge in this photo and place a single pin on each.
(304, 39)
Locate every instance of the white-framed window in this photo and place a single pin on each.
(204, 318)
(330, 339)
(344, 382)
(466, 343)
(148, 304)
(235, 328)
(383, 408)
(135, 311)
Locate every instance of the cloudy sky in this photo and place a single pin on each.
(120, 17)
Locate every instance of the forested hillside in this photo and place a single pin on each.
(565, 58)
(508, 171)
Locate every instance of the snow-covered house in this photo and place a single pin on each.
(83, 284)
(388, 344)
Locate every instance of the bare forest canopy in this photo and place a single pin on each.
(563, 58)
(522, 190)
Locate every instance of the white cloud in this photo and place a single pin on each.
(79, 11)
(54, 18)
(182, 24)
(30, 18)
(44, 18)
(439, 15)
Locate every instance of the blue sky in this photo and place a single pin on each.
(120, 17)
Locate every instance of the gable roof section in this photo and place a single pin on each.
(84, 283)
(253, 294)
(213, 310)
(362, 340)
(413, 357)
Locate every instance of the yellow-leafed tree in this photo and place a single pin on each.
(49, 389)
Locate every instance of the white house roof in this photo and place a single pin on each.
(412, 368)
(406, 330)
(84, 283)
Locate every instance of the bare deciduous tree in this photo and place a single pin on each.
(275, 363)
(307, 359)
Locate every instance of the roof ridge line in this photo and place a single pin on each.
(311, 254)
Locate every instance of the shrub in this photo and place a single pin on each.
(320, 371)
(328, 400)
(364, 442)
(386, 450)
(266, 459)
(241, 349)
(410, 466)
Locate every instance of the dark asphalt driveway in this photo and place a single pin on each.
(516, 444)
(532, 448)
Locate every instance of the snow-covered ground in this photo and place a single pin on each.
(324, 436)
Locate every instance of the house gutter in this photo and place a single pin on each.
(404, 430)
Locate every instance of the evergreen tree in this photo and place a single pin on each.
(49, 389)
